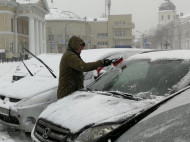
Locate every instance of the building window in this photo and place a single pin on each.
(22, 27)
(11, 47)
(94, 46)
(51, 37)
(60, 38)
(12, 25)
(162, 18)
(102, 43)
(67, 38)
(102, 35)
(18, 31)
(60, 48)
(121, 43)
(120, 23)
(168, 17)
(27, 28)
(120, 33)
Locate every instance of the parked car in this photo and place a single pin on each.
(22, 101)
(167, 121)
(117, 96)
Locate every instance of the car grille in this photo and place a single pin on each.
(13, 100)
(48, 132)
(9, 119)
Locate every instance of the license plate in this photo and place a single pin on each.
(4, 111)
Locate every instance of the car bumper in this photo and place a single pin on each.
(23, 118)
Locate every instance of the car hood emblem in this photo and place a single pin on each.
(46, 133)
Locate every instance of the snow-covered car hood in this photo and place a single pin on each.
(28, 87)
(91, 108)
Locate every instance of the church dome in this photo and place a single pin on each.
(168, 5)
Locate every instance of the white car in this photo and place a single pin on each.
(119, 95)
(22, 101)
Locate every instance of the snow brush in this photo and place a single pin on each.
(115, 62)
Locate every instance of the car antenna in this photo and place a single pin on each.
(50, 70)
(25, 65)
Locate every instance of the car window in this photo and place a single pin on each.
(143, 76)
(170, 126)
(137, 71)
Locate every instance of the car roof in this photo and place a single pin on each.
(163, 55)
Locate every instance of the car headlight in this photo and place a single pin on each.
(93, 133)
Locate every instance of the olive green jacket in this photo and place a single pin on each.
(72, 68)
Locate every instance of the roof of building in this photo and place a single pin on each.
(27, 1)
(56, 14)
(97, 19)
(167, 5)
(44, 3)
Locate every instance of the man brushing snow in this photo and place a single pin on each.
(72, 67)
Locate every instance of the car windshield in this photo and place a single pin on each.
(144, 77)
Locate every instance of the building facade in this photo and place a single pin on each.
(112, 32)
(174, 28)
(22, 25)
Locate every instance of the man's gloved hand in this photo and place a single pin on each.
(107, 62)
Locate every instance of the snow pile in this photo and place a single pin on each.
(92, 108)
(11, 135)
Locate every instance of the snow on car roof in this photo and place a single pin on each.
(91, 108)
(160, 55)
(97, 54)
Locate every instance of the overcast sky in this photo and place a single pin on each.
(144, 12)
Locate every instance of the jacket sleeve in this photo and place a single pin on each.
(78, 64)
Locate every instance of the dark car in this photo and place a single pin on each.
(167, 121)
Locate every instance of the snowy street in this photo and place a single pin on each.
(7, 134)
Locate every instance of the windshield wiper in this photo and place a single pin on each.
(25, 65)
(125, 95)
(49, 69)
